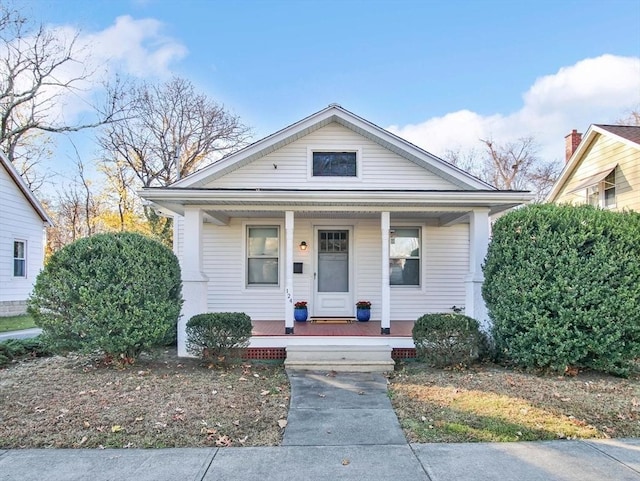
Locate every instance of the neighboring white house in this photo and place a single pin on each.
(331, 210)
(23, 223)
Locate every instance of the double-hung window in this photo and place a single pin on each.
(263, 248)
(404, 256)
(19, 258)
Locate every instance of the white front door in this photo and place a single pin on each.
(333, 279)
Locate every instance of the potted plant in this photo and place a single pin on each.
(363, 311)
(300, 311)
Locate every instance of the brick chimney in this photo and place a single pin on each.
(571, 144)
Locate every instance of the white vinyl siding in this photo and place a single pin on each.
(607, 151)
(18, 222)
(288, 167)
(444, 267)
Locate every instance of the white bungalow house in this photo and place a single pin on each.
(23, 223)
(331, 210)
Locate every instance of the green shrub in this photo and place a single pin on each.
(562, 286)
(22, 348)
(119, 294)
(218, 335)
(445, 339)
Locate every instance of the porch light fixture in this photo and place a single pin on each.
(303, 246)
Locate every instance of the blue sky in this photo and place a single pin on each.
(442, 74)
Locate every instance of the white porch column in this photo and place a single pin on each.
(385, 226)
(288, 272)
(478, 245)
(194, 281)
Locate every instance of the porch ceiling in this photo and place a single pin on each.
(437, 217)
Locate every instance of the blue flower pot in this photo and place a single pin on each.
(300, 314)
(363, 315)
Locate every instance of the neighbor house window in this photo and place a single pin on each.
(609, 189)
(603, 194)
(335, 164)
(263, 246)
(404, 256)
(19, 259)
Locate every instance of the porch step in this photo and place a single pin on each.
(332, 320)
(374, 358)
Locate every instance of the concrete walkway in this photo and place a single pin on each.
(21, 334)
(340, 427)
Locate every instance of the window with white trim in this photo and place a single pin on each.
(19, 258)
(263, 248)
(603, 194)
(335, 164)
(404, 256)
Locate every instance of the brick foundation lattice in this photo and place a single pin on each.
(403, 353)
(277, 353)
(266, 353)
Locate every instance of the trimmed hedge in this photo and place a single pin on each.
(115, 293)
(15, 349)
(218, 335)
(562, 286)
(445, 339)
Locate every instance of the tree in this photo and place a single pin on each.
(631, 117)
(38, 68)
(509, 166)
(168, 132)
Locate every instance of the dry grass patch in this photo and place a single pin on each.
(162, 402)
(489, 403)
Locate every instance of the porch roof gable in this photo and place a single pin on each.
(333, 113)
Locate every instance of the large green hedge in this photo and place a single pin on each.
(115, 293)
(562, 285)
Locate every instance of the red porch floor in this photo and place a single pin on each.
(365, 329)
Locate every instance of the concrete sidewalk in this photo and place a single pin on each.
(340, 427)
(534, 461)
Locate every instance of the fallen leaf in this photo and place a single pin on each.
(86, 424)
(115, 429)
(236, 422)
(345, 462)
(282, 423)
(264, 393)
(83, 440)
(223, 441)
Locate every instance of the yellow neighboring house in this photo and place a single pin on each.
(603, 168)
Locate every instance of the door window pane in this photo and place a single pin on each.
(333, 261)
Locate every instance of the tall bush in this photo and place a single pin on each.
(115, 293)
(562, 285)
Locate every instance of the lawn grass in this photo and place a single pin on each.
(15, 323)
(493, 404)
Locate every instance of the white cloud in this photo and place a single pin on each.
(137, 46)
(594, 90)
(133, 47)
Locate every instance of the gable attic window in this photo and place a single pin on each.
(335, 164)
(19, 259)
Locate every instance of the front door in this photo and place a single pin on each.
(333, 292)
